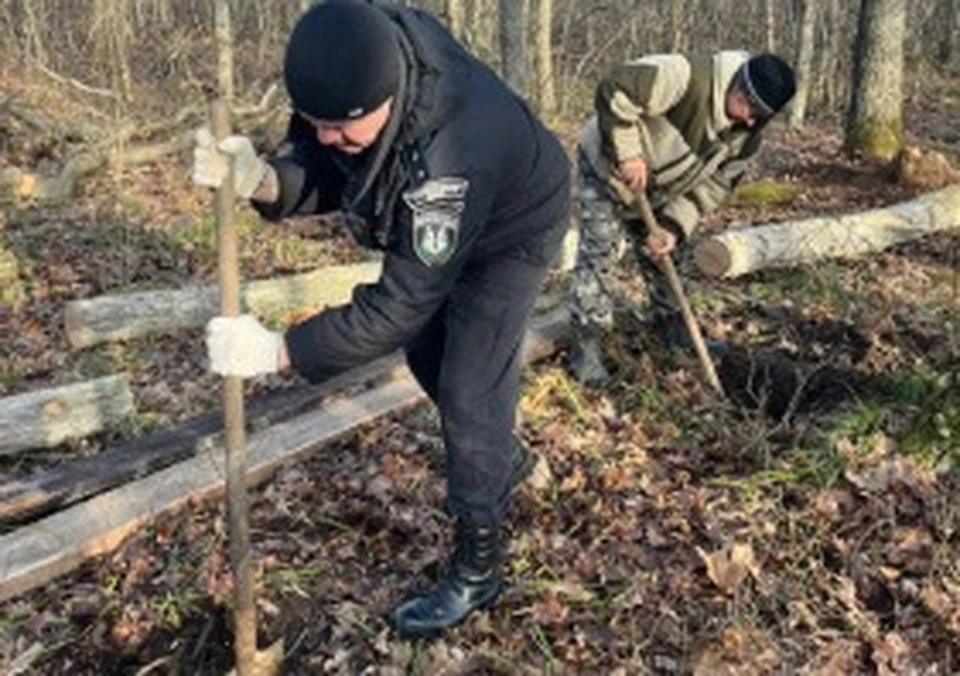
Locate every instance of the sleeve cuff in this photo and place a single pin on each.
(682, 214)
(626, 142)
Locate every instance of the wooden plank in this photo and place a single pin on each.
(36, 553)
(124, 316)
(79, 478)
(45, 418)
(739, 251)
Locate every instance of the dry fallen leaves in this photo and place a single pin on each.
(727, 568)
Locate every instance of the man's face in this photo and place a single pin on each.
(739, 108)
(352, 137)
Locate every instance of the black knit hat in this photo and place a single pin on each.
(768, 83)
(343, 60)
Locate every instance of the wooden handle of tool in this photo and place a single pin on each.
(676, 287)
(228, 273)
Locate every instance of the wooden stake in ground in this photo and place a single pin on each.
(228, 272)
(673, 279)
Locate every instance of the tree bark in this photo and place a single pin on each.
(482, 30)
(804, 65)
(48, 417)
(738, 252)
(126, 316)
(829, 68)
(770, 23)
(875, 120)
(456, 18)
(950, 11)
(546, 89)
(679, 26)
(513, 43)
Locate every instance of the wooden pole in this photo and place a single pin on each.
(673, 279)
(228, 273)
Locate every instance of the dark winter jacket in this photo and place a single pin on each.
(463, 171)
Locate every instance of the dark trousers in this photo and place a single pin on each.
(467, 359)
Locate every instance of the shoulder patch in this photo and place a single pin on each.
(436, 206)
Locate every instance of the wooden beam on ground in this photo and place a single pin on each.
(121, 317)
(79, 478)
(36, 553)
(739, 251)
(45, 418)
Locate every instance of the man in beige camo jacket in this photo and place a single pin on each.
(683, 130)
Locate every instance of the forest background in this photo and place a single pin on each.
(673, 534)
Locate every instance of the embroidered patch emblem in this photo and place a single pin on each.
(436, 207)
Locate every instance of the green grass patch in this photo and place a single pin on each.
(764, 193)
(825, 285)
(933, 434)
(919, 411)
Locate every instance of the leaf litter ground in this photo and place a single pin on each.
(664, 532)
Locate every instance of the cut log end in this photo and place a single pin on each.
(75, 326)
(48, 417)
(712, 257)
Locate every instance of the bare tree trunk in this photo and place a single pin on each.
(808, 23)
(875, 120)
(456, 17)
(566, 31)
(513, 43)
(482, 30)
(111, 37)
(34, 41)
(546, 89)
(679, 26)
(950, 12)
(224, 37)
(834, 76)
(770, 23)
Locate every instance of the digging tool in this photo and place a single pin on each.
(676, 288)
(249, 662)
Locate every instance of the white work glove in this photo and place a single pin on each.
(211, 162)
(242, 346)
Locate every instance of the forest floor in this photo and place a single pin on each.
(678, 534)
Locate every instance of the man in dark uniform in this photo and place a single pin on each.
(466, 193)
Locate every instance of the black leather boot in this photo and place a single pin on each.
(471, 582)
(521, 463)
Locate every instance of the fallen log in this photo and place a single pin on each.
(121, 317)
(79, 478)
(128, 143)
(737, 252)
(36, 553)
(45, 418)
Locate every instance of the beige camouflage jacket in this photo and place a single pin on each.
(671, 110)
